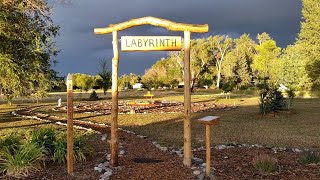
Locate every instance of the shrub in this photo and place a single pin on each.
(265, 163)
(228, 86)
(309, 158)
(60, 149)
(10, 142)
(271, 100)
(45, 138)
(93, 96)
(79, 146)
(26, 158)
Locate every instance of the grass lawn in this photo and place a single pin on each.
(299, 128)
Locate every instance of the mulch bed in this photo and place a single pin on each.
(236, 163)
(142, 160)
(156, 107)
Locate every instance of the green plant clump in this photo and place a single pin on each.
(310, 158)
(265, 163)
(79, 146)
(10, 142)
(45, 138)
(26, 158)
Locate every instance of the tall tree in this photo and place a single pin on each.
(237, 64)
(27, 48)
(266, 63)
(219, 46)
(294, 74)
(309, 39)
(104, 81)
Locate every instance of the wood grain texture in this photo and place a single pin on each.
(149, 20)
(114, 108)
(70, 157)
(187, 102)
(208, 150)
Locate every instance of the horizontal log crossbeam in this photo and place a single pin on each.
(149, 20)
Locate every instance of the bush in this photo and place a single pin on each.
(79, 146)
(10, 142)
(228, 86)
(309, 158)
(271, 100)
(26, 158)
(265, 163)
(60, 149)
(45, 138)
(93, 96)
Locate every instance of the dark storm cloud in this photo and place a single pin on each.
(81, 49)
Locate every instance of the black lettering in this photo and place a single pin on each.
(133, 43)
(151, 42)
(139, 42)
(127, 45)
(162, 42)
(174, 43)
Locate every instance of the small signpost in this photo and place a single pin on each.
(209, 121)
(70, 158)
(152, 43)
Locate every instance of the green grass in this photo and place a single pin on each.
(299, 128)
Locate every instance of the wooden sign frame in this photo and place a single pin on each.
(70, 153)
(171, 26)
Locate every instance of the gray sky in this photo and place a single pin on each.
(81, 49)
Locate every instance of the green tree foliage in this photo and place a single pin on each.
(219, 47)
(163, 73)
(266, 63)
(237, 64)
(294, 74)
(104, 81)
(127, 81)
(83, 81)
(26, 36)
(201, 60)
(309, 39)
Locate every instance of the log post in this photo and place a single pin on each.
(208, 150)
(209, 121)
(114, 111)
(70, 157)
(187, 102)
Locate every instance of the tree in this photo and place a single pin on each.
(309, 39)
(237, 64)
(27, 48)
(266, 63)
(164, 72)
(294, 72)
(83, 81)
(104, 81)
(200, 60)
(219, 46)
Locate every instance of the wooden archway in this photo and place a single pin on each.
(171, 26)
